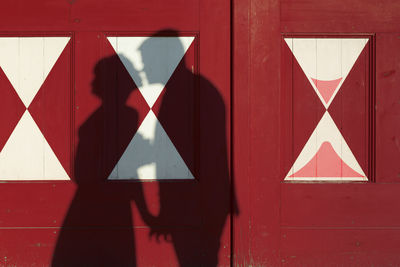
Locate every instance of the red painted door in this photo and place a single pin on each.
(347, 223)
(115, 133)
(317, 132)
(327, 138)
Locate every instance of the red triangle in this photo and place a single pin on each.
(11, 109)
(326, 163)
(51, 108)
(326, 88)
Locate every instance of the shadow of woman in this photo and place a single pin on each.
(193, 213)
(97, 230)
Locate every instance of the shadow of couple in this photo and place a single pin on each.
(98, 229)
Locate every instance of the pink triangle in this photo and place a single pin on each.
(326, 88)
(326, 163)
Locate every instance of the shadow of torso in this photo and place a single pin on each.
(98, 228)
(196, 211)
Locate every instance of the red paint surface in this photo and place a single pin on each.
(256, 117)
(387, 109)
(346, 247)
(351, 205)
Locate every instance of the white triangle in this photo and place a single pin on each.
(28, 156)
(151, 155)
(162, 59)
(326, 130)
(326, 59)
(28, 60)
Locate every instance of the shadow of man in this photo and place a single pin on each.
(97, 230)
(193, 213)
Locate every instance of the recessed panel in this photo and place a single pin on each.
(162, 73)
(330, 65)
(37, 74)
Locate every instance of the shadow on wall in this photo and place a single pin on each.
(97, 230)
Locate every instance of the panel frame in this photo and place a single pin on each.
(286, 101)
(196, 97)
(71, 104)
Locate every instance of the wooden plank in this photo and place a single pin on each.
(256, 88)
(387, 108)
(340, 247)
(240, 71)
(306, 16)
(340, 205)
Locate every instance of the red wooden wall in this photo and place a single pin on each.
(275, 223)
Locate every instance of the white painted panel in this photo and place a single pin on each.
(326, 62)
(151, 155)
(326, 131)
(27, 61)
(28, 156)
(154, 59)
(31, 68)
(329, 61)
(326, 59)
